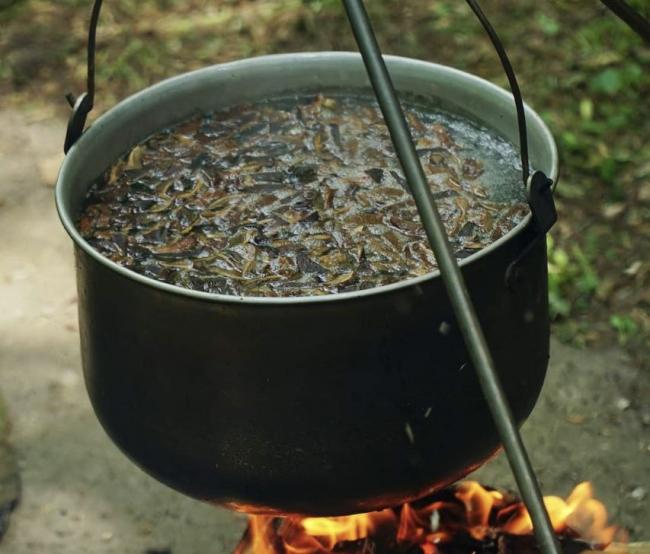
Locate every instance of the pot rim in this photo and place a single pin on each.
(424, 66)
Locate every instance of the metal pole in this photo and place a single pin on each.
(635, 21)
(451, 276)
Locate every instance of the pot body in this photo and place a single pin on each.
(323, 405)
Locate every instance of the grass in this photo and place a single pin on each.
(582, 69)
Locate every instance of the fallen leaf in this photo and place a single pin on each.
(610, 211)
(633, 269)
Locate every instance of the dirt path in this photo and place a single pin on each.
(81, 495)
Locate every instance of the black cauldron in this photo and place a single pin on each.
(315, 405)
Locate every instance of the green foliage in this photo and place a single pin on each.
(614, 79)
(572, 331)
(548, 25)
(128, 65)
(318, 5)
(625, 327)
(572, 278)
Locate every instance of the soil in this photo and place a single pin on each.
(80, 494)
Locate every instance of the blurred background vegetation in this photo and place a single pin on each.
(579, 67)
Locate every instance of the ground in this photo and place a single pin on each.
(79, 494)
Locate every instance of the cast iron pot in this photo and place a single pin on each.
(315, 405)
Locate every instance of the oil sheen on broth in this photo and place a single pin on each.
(298, 196)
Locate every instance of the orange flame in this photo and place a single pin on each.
(475, 511)
(580, 515)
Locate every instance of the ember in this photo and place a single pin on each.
(463, 518)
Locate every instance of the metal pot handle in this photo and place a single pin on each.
(539, 191)
(514, 86)
(82, 105)
(538, 186)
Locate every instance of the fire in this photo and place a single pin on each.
(581, 514)
(310, 535)
(468, 512)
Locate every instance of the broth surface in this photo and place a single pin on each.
(298, 196)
